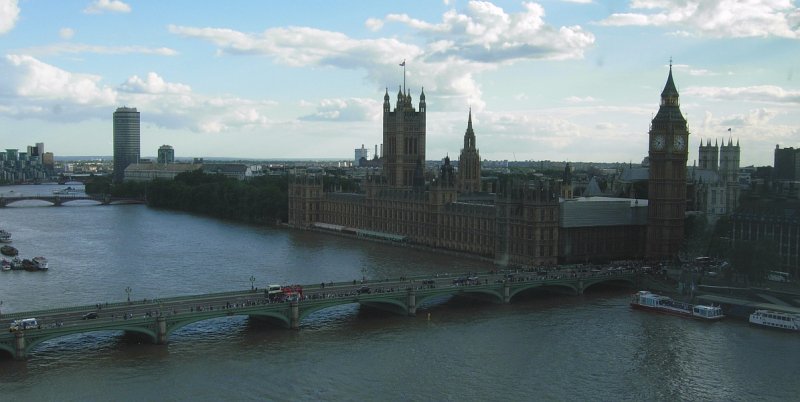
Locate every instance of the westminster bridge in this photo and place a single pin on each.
(157, 319)
(61, 199)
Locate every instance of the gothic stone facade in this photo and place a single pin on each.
(520, 224)
(668, 153)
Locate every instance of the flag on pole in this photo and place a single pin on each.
(729, 130)
(403, 64)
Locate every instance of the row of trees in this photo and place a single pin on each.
(750, 261)
(262, 199)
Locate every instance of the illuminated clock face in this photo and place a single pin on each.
(658, 142)
(680, 143)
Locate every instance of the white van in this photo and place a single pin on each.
(23, 324)
(273, 290)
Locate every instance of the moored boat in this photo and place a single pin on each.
(5, 237)
(776, 319)
(40, 263)
(16, 263)
(28, 265)
(645, 300)
(9, 251)
(5, 265)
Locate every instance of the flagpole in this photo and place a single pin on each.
(404, 76)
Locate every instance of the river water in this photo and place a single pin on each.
(540, 347)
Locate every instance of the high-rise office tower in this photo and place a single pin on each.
(126, 140)
(166, 154)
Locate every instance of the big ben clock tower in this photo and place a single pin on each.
(668, 154)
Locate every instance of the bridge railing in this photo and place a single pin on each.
(529, 277)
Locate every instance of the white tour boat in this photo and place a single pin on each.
(5, 237)
(646, 300)
(40, 263)
(776, 319)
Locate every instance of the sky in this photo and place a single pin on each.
(561, 80)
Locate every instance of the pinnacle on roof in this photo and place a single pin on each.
(669, 88)
(469, 121)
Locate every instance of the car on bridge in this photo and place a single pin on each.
(90, 316)
(364, 289)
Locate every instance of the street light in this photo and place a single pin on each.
(252, 279)
(128, 290)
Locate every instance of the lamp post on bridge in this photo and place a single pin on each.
(128, 290)
(252, 280)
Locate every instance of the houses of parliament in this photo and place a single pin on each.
(525, 222)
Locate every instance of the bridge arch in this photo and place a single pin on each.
(493, 294)
(32, 341)
(515, 290)
(619, 280)
(176, 324)
(8, 347)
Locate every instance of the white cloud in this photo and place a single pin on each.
(353, 109)
(756, 130)
(578, 99)
(302, 46)
(66, 33)
(697, 72)
(455, 50)
(373, 24)
(9, 13)
(37, 90)
(579, 1)
(485, 33)
(113, 6)
(153, 84)
(77, 48)
(28, 78)
(758, 93)
(715, 18)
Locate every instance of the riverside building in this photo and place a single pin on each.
(126, 140)
(525, 222)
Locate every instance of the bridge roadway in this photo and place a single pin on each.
(157, 319)
(61, 199)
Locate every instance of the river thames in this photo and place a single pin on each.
(540, 347)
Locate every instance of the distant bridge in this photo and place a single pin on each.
(157, 319)
(61, 199)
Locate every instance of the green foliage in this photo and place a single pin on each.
(262, 199)
(753, 259)
(98, 185)
(130, 189)
(697, 236)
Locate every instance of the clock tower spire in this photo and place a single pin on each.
(668, 154)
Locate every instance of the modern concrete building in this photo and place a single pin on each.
(152, 171)
(361, 153)
(786, 164)
(166, 154)
(126, 140)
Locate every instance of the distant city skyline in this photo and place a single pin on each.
(572, 80)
